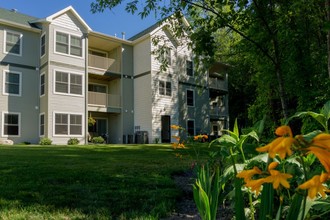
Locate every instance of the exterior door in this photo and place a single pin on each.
(166, 129)
(99, 128)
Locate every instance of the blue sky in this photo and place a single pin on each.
(109, 22)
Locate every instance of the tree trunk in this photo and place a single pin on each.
(327, 6)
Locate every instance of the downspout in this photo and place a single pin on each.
(86, 88)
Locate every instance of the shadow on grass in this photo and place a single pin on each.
(88, 182)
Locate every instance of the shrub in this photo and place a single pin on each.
(73, 141)
(45, 141)
(98, 140)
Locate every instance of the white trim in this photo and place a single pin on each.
(3, 124)
(43, 113)
(165, 83)
(69, 79)
(5, 42)
(193, 97)
(68, 125)
(69, 44)
(4, 83)
(42, 74)
(63, 11)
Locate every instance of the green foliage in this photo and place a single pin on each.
(206, 191)
(98, 140)
(45, 141)
(322, 118)
(73, 141)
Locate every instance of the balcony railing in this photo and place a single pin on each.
(218, 111)
(217, 83)
(104, 99)
(104, 63)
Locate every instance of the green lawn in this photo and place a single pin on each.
(88, 182)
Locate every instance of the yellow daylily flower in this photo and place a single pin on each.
(247, 174)
(315, 185)
(322, 140)
(255, 185)
(276, 177)
(284, 130)
(175, 127)
(281, 145)
(323, 156)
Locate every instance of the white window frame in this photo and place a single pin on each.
(44, 85)
(3, 124)
(194, 126)
(42, 114)
(165, 88)
(193, 97)
(4, 83)
(42, 45)
(69, 44)
(69, 83)
(5, 42)
(68, 125)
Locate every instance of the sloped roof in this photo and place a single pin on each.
(63, 11)
(153, 27)
(16, 17)
(145, 31)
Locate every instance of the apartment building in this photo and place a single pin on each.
(57, 73)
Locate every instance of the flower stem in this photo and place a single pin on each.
(305, 193)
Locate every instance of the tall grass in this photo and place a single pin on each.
(88, 182)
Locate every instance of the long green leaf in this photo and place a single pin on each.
(266, 204)
(295, 206)
(202, 201)
(239, 202)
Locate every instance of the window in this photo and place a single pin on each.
(189, 68)
(12, 83)
(190, 97)
(42, 124)
(43, 45)
(191, 127)
(76, 84)
(68, 83)
(168, 90)
(11, 124)
(75, 124)
(42, 84)
(161, 87)
(68, 124)
(165, 88)
(13, 43)
(68, 44)
(165, 54)
(76, 46)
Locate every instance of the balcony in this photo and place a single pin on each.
(103, 102)
(218, 111)
(218, 83)
(99, 65)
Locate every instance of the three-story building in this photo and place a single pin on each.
(57, 73)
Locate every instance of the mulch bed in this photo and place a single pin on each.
(186, 208)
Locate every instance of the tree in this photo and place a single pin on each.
(281, 43)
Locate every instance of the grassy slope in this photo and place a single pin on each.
(88, 182)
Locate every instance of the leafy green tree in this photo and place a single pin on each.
(277, 48)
